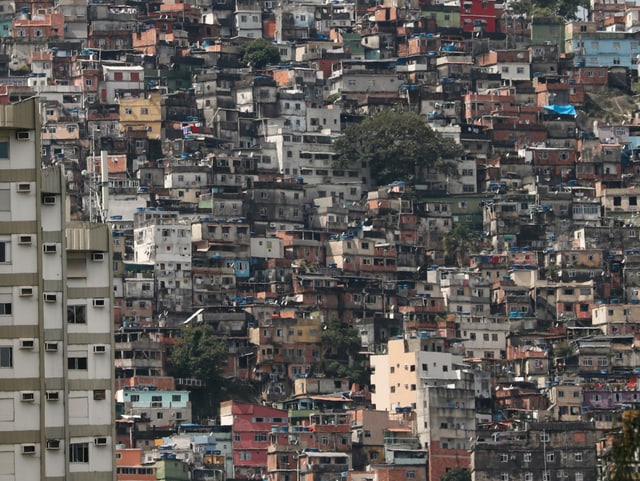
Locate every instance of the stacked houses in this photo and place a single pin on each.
(227, 204)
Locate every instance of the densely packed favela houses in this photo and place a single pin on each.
(319, 241)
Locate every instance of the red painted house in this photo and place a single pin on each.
(251, 426)
(478, 15)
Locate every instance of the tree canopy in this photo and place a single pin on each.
(456, 474)
(200, 354)
(259, 53)
(567, 9)
(622, 458)
(396, 146)
(457, 243)
(341, 346)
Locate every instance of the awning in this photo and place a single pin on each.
(562, 109)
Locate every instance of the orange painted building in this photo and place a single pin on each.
(130, 468)
(40, 25)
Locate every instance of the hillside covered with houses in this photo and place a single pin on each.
(478, 311)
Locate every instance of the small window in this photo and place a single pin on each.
(6, 356)
(79, 453)
(5, 252)
(77, 363)
(4, 149)
(77, 314)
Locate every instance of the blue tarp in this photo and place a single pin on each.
(562, 109)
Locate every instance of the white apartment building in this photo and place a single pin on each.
(165, 242)
(56, 356)
(401, 374)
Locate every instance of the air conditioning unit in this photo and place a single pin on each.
(53, 444)
(97, 256)
(28, 449)
(25, 291)
(50, 297)
(24, 187)
(99, 303)
(101, 441)
(52, 395)
(51, 346)
(27, 396)
(48, 199)
(99, 349)
(27, 343)
(24, 135)
(50, 248)
(25, 240)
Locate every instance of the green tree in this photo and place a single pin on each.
(456, 474)
(622, 460)
(566, 9)
(200, 354)
(457, 244)
(259, 53)
(397, 146)
(341, 353)
(553, 272)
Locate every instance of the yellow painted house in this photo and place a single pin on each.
(142, 113)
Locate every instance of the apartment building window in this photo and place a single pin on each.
(579, 476)
(411, 474)
(5, 309)
(6, 356)
(526, 457)
(77, 314)
(77, 363)
(260, 437)
(504, 476)
(578, 456)
(587, 362)
(551, 457)
(144, 111)
(504, 458)
(128, 111)
(5, 200)
(79, 452)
